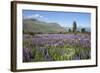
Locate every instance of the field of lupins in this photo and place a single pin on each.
(56, 47)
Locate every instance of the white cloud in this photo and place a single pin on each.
(34, 16)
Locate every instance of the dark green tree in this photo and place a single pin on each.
(83, 30)
(74, 27)
(69, 30)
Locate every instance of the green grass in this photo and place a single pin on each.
(59, 53)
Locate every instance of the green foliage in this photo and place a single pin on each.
(74, 26)
(33, 50)
(38, 56)
(69, 30)
(61, 53)
(31, 33)
(26, 43)
(83, 30)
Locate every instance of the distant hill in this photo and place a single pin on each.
(37, 26)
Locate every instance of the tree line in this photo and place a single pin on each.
(74, 28)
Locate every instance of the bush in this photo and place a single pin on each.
(83, 30)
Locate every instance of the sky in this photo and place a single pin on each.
(65, 19)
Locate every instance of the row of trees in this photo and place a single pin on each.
(74, 29)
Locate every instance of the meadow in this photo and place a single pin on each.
(56, 47)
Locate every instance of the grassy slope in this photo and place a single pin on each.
(30, 25)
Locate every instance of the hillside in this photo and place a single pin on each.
(34, 25)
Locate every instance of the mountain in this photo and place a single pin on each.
(37, 26)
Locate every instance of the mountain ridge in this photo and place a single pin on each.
(37, 26)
